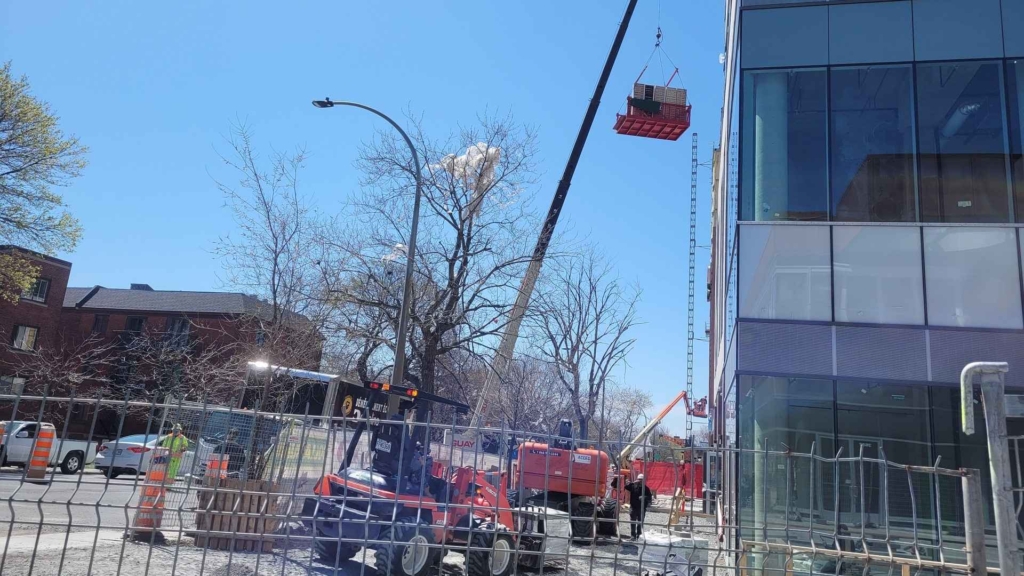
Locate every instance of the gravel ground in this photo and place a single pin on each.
(106, 553)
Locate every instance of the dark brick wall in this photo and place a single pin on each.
(45, 316)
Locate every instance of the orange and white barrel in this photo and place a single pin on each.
(42, 447)
(150, 512)
(217, 466)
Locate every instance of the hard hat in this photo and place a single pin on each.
(640, 477)
(177, 428)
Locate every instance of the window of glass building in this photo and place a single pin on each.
(877, 272)
(872, 144)
(1015, 89)
(780, 414)
(785, 272)
(971, 277)
(962, 139)
(876, 421)
(785, 145)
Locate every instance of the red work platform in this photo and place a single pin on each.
(659, 120)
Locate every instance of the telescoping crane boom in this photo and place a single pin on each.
(503, 355)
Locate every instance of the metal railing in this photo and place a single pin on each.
(260, 492)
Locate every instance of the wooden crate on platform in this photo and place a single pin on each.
(241, 507)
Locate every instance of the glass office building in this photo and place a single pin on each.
(867, 241)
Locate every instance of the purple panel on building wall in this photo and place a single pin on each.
(776, 347)
(881, 352)
(952, 349)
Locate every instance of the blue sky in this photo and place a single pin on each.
(152, 89)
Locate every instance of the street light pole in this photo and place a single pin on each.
(398, 374)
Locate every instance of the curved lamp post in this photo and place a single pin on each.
(398, 375)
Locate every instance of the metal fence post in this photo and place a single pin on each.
(993, 401)
(974, 521)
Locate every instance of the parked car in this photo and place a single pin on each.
(127, 455)
(17, 438)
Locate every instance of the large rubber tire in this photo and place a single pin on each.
(403, 558)
(582, 523)
(495, 553)
(72, 463)
(513, 498)
(608, 518)
(334, 553)
(112, 473)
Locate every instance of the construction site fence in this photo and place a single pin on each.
(239, 497)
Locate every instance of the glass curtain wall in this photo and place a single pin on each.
(930, 142)
(872, 144)
(785, 145)
(961, 131)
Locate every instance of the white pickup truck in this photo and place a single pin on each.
(16, 446)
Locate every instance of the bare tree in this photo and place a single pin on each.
(623, 417)
(582, 317)
(272, 258)
(472, 249)
(531, 399)
(60, 368)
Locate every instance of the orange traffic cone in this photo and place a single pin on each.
(35, 470)
(150, 513)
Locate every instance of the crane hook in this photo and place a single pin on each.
(657, 38)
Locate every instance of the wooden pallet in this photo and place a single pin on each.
(239, 507)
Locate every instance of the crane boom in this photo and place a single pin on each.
(503, 356)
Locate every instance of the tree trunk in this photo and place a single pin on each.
(428, 364)
(584, 425)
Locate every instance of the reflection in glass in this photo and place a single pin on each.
(785, 143)
(785, 272)
(873, 144)
(962, 141)
(971, 277)
(1015, 88)
(876, 420)
(779, 414)
(877, 274)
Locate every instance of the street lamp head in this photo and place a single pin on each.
(325, 103)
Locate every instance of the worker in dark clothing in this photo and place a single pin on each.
(640, 499)
(235, 453)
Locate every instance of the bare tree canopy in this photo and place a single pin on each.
(271, 257)
(35, 157)
(582, 316)
(473, 245)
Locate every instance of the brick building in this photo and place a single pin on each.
(35, 319)
(51, 316)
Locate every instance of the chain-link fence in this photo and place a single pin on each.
(174, 488)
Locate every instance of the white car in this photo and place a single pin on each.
(127, 455)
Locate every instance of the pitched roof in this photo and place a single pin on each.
(100, 298)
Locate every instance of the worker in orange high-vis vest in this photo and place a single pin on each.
(176, 444)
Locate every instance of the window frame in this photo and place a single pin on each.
(14, 337)
(105, 322)
(30, 294)
(142, 324)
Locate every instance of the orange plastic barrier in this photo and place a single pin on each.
(150, 513)
(39, 459)
(217, 466)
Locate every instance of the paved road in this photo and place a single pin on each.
(74, 503)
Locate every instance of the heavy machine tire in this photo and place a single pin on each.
(582, 522)
(513, 498)
(608, 518)
(333, 553)
(72, 463)
(403, 558)
(495, 553)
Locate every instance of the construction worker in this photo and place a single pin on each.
(640, 499)
(176, 444)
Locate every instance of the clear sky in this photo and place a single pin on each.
(152, 89)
